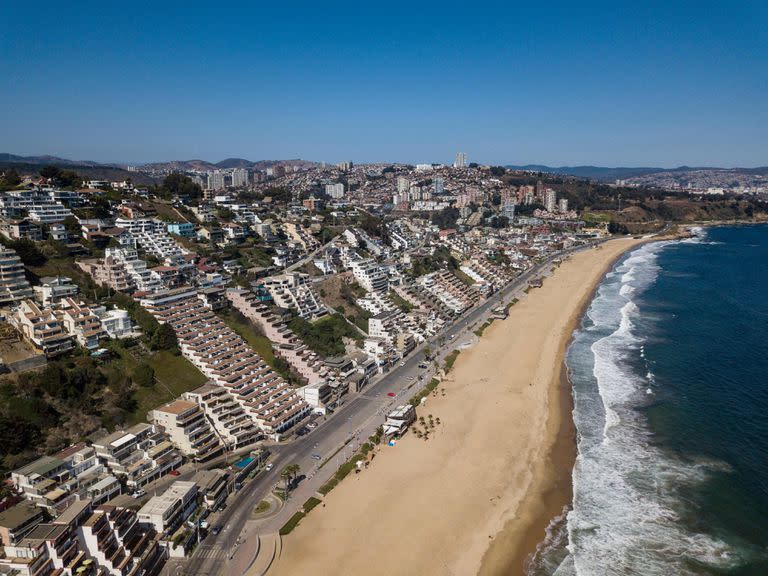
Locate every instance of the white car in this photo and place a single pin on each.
(269, 467)
(402, 364)
(138, 494)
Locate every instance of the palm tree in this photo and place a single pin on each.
(289, 474)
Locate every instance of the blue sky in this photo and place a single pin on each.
(605, 83)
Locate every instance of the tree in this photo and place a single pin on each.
(144, 375)
(289, 474)
(164, 338)
(10, 179)
(179, 185)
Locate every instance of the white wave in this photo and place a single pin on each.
(625, 510)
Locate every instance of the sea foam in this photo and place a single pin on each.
(626, 506)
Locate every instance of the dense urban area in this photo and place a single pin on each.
(175, 342)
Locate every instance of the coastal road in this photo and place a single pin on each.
(339, 436)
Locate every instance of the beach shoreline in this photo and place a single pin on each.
(513, 547)
(512, 489)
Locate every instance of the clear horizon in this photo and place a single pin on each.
(655, 85)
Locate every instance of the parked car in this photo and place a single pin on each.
(174, 473)
(316, 457)
(269, 467)
(139, 493)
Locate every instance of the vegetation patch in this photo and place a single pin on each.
(326, 335)
(479, 331)
(311, 503)
(450, 360)
(424, 392)
(292, 523)
(400, 302)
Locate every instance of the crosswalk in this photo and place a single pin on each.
(212, 552)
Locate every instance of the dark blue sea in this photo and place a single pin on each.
(670, 381)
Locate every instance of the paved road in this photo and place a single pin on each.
(361, 412)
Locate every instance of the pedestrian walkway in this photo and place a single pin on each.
(215, 552)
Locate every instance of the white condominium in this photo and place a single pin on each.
(234, 427)
(41, 327)
(294, 290)
(80, 322)
(13, 284)
(370, 275)
(188, 428)
(220, 354)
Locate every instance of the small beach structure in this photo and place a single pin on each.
(399, 419)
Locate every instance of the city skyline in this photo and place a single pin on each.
(598, 85)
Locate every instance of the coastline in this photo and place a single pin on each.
(494, 503)
(512, 548)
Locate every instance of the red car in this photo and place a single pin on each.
(391, 394)
(174, 473)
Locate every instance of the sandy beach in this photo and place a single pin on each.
(476, 497)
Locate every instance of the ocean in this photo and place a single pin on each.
(670, 382)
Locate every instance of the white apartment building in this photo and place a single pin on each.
(233, 426)
(54, 288)
(335, 191)
(294, 290)
(188, 428)
(42, 328)
(370, 275)
(120, 544)
(166, 512)
(116, 323)
(13, 283)
(139, 454)
(81, 323)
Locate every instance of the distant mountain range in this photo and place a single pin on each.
(606, 174)
(6, 158)
(89, 167)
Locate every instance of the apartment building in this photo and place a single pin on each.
(152, 236)
(451, 291)
(139, 454)
(301, 236)
(286, 344)
(294, 290)
(233, 426)
(369, 275)
(22, 228)
(54, 288)
(48, 213)
(486, 272)
(188, 428)
(116, 323)
(48, 549)
(120, 543)
(13, 283)
(17, 521)
(41, 327)
(54, 482)
(220, 354)
(121, 269)
(80, 323)
(213, 485)
(167, 511)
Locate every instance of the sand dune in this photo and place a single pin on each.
(476, 496)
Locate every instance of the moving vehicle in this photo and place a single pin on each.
(215, 530)
(138, 493)
(174, 473)
(391, 394)
(269, 467)
(316, 456)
